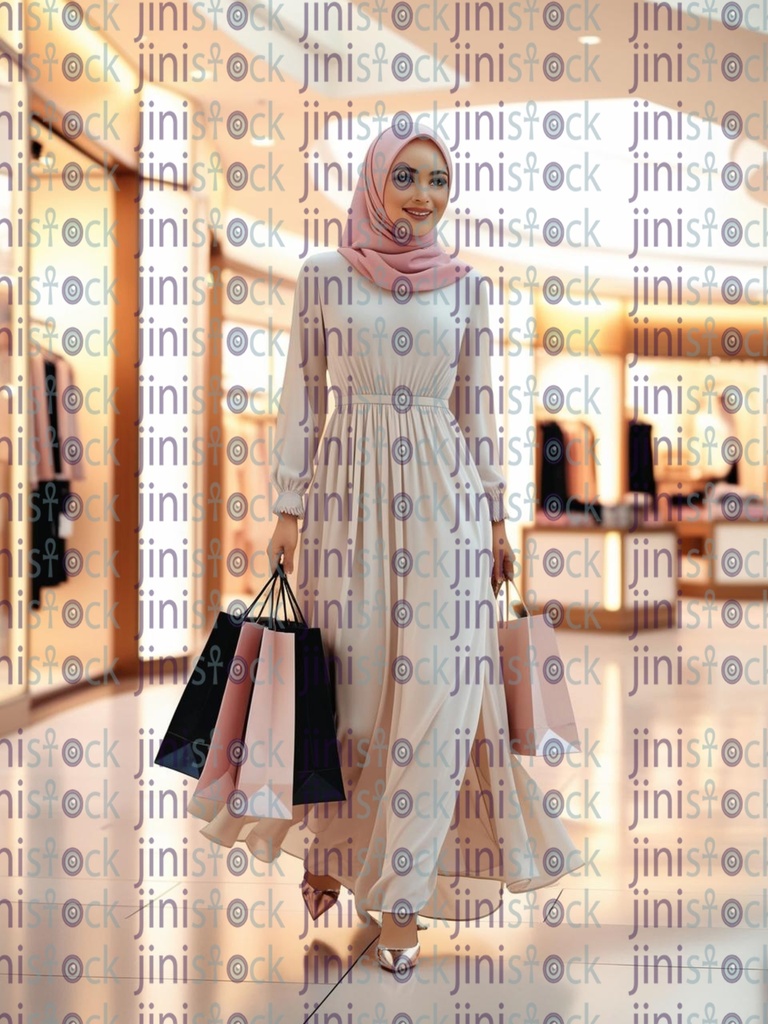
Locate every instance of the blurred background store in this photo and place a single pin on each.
(184, 194)
(163, 169)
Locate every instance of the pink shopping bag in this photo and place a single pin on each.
(225, 755)
(539, 711)
(265, 776)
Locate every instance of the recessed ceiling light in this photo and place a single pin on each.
(262, 142)
(589, 40)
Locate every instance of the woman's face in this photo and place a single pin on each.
(416, 191)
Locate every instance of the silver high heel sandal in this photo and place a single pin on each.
(399, 960)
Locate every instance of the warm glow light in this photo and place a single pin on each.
(612, 561)
(92, 43)
(589, 40)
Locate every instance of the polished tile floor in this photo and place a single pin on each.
(114, 909)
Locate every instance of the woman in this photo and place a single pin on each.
(402, 538)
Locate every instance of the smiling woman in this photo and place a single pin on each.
(372, 577)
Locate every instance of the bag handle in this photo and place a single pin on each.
(526, 611)
(280, 579)
(271, 620)
(281, 597)
(286, 586)
(270, 582)
(271, 616)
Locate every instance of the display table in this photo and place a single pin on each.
(723, 547)
(727, 561)
(591, 576)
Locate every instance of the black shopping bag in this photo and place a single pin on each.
(186, 743)
(316, 765)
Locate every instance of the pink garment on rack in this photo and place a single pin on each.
(68, 418)
(40, 453)
(580, 472)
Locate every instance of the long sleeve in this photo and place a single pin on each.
(303, 402)
(473, 403)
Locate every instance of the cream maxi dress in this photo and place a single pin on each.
(394, 566)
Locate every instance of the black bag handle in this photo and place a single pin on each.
(281, 596)
(271, 616)
(270, 582)
(279, 579)
(291, 596)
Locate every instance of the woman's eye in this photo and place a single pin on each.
(402, 176)
(440, 182)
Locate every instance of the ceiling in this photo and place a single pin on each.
(291, 36)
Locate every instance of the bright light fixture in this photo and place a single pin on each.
(589, 40)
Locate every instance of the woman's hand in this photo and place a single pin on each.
(284, 540)
(503, 558)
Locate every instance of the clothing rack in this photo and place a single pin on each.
(50, 473)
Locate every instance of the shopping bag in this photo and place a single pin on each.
(290, 752)
(265, 779)
(539, 711)
(316, 767)
(184, 747)
(225, 753)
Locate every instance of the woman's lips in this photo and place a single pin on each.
(419, 214)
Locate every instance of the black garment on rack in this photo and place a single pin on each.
(554, 475)
(47, 502)
(51, 394)
(641, 476)
(552, 465)
(48, 551)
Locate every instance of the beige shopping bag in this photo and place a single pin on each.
(539, 711)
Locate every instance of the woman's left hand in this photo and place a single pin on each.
(503, 558)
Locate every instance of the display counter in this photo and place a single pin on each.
(590, 576)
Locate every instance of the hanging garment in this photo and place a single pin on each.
(53, 401)
(51, 394)
(580, 471)
(553, 493)
(53, 466)
(640, 462)
(48, 548)
(68, 400)
(40, 457)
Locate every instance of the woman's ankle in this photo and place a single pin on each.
(322, 881)
(397, 933)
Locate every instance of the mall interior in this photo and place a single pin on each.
(164, 169)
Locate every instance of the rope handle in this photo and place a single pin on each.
(496, 589)
(286, 589)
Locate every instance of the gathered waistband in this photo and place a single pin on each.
(398, 400)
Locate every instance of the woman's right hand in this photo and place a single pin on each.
(283, 542)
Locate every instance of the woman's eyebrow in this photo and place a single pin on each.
(415, 170)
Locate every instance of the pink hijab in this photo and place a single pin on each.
(415, 264)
